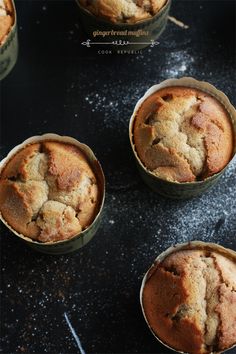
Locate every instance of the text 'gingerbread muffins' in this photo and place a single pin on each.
(123, 11)
(189, 300)
(49, 192)
(182, 134)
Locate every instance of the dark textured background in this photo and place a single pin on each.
(59, 86)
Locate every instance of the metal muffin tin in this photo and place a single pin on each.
(178, 190)
(180, 247)
(77, 241)
(154, 26)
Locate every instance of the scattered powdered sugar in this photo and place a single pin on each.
(156, 223)
(116, 111)
(115, 101)
(102, 280)
(178, 63)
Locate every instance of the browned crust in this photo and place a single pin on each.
(7, 21)
(49, 171)
(64, 169)
(9, 7)
(209, 122)
(226, 309)
(178, 307)
(16, 210)
(123, 11)
(17, 163)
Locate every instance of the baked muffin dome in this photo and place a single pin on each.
(183, 134)
(189, 300)
(124, 11)
(48, 191)
(7, 19)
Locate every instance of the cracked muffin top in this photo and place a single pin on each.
(183, 135)
(48, 191)
(189, 300)
(123, 11)
(7, 19)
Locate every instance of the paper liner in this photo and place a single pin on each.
(81, 239)
(178, 190)
(9, 49)
(155, 26)
(183, 246)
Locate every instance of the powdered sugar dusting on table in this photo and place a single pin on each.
(159, 222)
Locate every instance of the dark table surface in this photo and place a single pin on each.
(59, 86)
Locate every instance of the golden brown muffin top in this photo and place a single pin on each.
(189, 301)
(48, 191)
(123, 11)
(7, 19)
(183, 134)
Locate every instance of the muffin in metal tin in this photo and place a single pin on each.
(52, 193)
(183, 136)
(188, 298)
(124, 24)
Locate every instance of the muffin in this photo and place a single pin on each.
(123, 11)
(123, 26)
(7, 19)
(189, 299)
(183, 134)
(49, 191)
